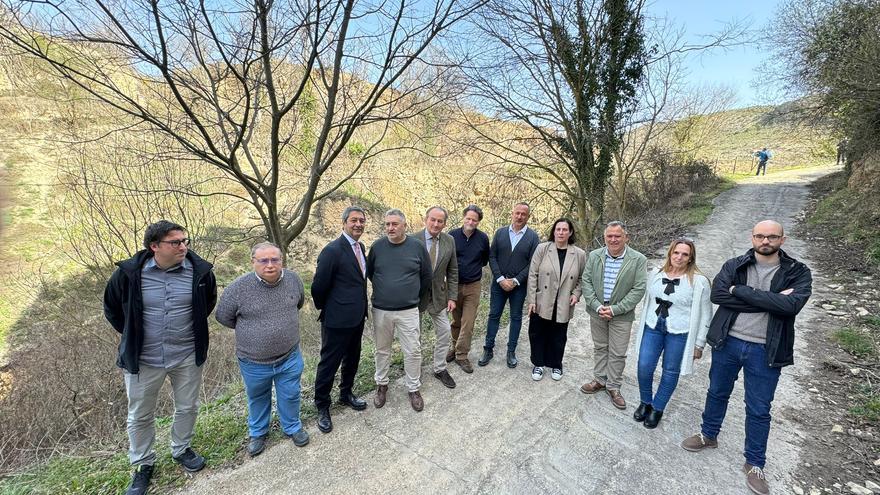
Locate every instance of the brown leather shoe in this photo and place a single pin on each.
(445, 378)
(415, 400)
(381, 396)
(617, 399)
(698, 442)
(465, 365)
(755, 479)
(592, 387)
(450, 356)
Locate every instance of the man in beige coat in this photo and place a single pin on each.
(440, 298)
(613, 283)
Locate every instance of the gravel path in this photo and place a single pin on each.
(501, 432)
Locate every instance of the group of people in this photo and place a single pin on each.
(159, 301)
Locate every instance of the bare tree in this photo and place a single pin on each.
(286, 99)
(562, 74)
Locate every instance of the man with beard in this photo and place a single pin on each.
(758, 294)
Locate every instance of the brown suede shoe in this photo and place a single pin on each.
(415, 400)
(755, 479)
(698, 442)
(381, 396)
(465, 365)
(592, 387)
(617, 399)
(445, 378)
(450, 356)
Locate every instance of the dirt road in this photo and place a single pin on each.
(501, 432)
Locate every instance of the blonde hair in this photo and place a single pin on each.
(692, 259)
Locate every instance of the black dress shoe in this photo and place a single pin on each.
(487, 356)
(642, 411)
(512, 361)
(350, 400)
(325, 424)
(653, 419)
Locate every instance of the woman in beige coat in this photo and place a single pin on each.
(554, 288)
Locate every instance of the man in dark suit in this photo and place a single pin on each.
(339, 290)
(440, 298)
(509, 258)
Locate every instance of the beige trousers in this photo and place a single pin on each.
(405, 324)
(610, 343)
(463, 318)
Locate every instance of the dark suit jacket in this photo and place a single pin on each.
(339, 289)
(515, 264)
(444, 278)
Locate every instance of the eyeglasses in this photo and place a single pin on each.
(176, 242)
(267, 261)
(771, 238)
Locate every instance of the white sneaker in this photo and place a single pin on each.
(556, 374)
(537, 373)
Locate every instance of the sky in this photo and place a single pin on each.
(737, 67)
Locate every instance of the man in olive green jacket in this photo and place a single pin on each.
(613, 283)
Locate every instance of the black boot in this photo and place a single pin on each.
(325, 424)
(653, 419)
(642, 411)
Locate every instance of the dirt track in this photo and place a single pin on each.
(501, 432)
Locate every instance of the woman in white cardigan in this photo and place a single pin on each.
(676, 312)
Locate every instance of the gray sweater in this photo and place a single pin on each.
(265, 318)
(401, 273)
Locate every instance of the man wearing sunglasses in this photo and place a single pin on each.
(159, 301)
(758, 294)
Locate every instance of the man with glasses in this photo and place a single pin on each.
(758, 294)
(159, 301)
(339, 291)
(263, 308)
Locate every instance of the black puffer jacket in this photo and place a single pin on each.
(124, 305)
(792, 274)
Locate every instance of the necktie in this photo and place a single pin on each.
(360, 257)
(662, 307)
(434, 242)
(670, 285)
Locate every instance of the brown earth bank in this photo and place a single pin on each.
(841, 419)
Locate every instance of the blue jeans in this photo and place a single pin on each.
(497, 299)
(760, 386)
(654, 342)
(258, 379)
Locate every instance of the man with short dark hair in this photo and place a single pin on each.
(472, 252)
(159, 301)
(400, 270)
(613, 283)
(758, 294)
(263, 309)
(339, 290)
(509, 257)
(440, 298)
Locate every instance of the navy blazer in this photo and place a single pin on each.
(512, 264)
(339, 288)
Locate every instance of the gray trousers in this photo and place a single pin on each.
(143, 391)
(610, 343)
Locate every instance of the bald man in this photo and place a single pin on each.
(758, 296)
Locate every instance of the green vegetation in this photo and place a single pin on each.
(702, 204)
(851, 216)
(867, 407)
(855, 342)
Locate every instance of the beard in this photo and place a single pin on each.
(767, 250)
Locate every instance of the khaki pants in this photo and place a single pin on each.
(610, 343)
(463, 318)
(143, 391)
(405, 324)
(440, 322)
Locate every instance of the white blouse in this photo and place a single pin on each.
(678, 320)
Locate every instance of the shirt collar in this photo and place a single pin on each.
(608, 255)
(350, 239)
(267, 284)
(151, 263)
(510, 228)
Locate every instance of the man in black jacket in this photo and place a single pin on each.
(339, 290)
(758, 294)
(159, 301)
(509, 258)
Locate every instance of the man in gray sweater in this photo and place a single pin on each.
(400, 271)
(263, 308)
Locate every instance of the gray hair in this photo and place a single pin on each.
(445, 213)
(397, 213)
(263, 245)
(474, 208)
(348, 211)
(616, 223)
(523, 203)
